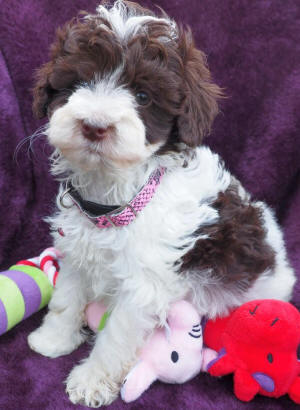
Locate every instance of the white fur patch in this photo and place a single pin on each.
(126, 23)
(279, 283)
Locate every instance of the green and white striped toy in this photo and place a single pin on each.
(27, 287)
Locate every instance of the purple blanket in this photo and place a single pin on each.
(253, 52)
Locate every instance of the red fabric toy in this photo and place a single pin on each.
(260, 343)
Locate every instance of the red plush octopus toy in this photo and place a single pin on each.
(260, 343)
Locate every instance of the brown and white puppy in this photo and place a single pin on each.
(127, 92)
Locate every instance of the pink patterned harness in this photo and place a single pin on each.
(116, 215)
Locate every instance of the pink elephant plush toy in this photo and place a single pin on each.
(173, 354)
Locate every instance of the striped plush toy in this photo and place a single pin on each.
(27, 287)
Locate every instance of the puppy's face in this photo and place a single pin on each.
(122, 85)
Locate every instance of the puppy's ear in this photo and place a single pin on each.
(42, 91)
(49, 78)
(199, 106)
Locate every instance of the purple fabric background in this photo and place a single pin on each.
(253, 52)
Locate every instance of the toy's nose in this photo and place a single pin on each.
(93, 133)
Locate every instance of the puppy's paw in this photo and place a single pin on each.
(53, 342)
(87, 385)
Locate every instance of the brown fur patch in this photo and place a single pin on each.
(236, 249)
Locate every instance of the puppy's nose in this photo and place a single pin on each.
(93, 133)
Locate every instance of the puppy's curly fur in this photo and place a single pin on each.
(141, 81)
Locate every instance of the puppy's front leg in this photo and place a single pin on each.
(97, 380)
(60, 332)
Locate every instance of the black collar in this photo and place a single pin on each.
(92, 209)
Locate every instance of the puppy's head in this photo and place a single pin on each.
(123, 84)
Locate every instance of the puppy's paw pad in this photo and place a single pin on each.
(89, 387)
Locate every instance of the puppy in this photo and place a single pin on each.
(146, 214)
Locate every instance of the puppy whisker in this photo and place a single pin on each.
(39, 133)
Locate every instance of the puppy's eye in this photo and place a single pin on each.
(142, 98)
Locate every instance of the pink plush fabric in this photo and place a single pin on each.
(173, 355)
(93, 313)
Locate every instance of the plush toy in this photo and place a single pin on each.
(260, 343)
(173, 354)
(96, 316)
(26, 288)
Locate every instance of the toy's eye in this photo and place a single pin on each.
(174, 356)
(298, 352)
(252, 312)
(142, 98)
(270, 357)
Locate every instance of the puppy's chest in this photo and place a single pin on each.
(111, 252)
(161, 233)
(150, 243)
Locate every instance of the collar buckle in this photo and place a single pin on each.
(66, 191)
